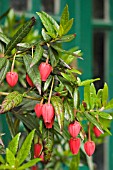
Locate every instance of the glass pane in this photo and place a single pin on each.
(98, 9)
(98, 57)
(48, 6)
(19, 5)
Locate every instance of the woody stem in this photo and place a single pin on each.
(51, 91)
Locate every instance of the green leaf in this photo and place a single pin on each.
(105, 95)
(76, 98)
(60, 31)
(59, 110)
(37, 55)
(18, 37)
(12, 100)
(29, 164)
(74, 164)
(3, 71)
(48, 141)
(52, 56)
(66, 38)
(99, 98)
(29, 120)
(47, 23)
(65, 16)
(86, 82)
(93, 97)
(3, 38)
(68, 26)
(33, 72)
(45, 36)
(105, 115)
(25, 148)
(13, 145)
(109, 105)
(2, 159)
(10, 158)
(2, 62)
(93, 120)
(10, 124)
(87, 95)
(73, 71)
(4, 167)
(69, 110)
(47, 83)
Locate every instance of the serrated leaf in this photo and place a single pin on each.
(68, 26)
(52, 56)
(73, 71)
(93, 120)
(10, 124)
(2, 62)
(93, 97)
(10, 158)
(69, 110)
(33, 72)
(47, 24)
(48, 141)
(86, 82)
(25, 148)
(29, 164)
(59, 110)
(3, 38)
(99, 98)
(24, 46)
(60, 31)
(13, 145)
(105, 95)
(65, 16)
(20, 34)
(45, 36)
(12, 100)
(47, 83)
(37, 55)
(3, 71)
(105, 115)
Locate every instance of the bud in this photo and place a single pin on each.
(34, 167)
(42, 156)
(38, 109)
(74, 129)
(49, 125)
(45, 70)
(37, 150)
(74, 144)
(89, 147)
(47, 113)
(29, 81)
(12, 78)
(96, 131)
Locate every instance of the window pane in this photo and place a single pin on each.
(48, 6)
(98, 57)
(98, 9)
(19, 5)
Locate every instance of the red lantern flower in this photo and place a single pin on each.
(29, 81)
(49, 125)
(37, 150)
(34, 167)
(96, 131)
(47, 113)
(45, 70)
(74, 129)
(74, 144)
(12, 78)
(89, 147)
(42, 156)
(38, 109)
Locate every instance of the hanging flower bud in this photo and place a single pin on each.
(45, 70)
(49, 125)
(38, 109)
(74, 145)
(96, 131)
(37, 150)
(29, 81)
(35, 167)
(12, 78)
(89, 147)
(47, 113)
(74, 128)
